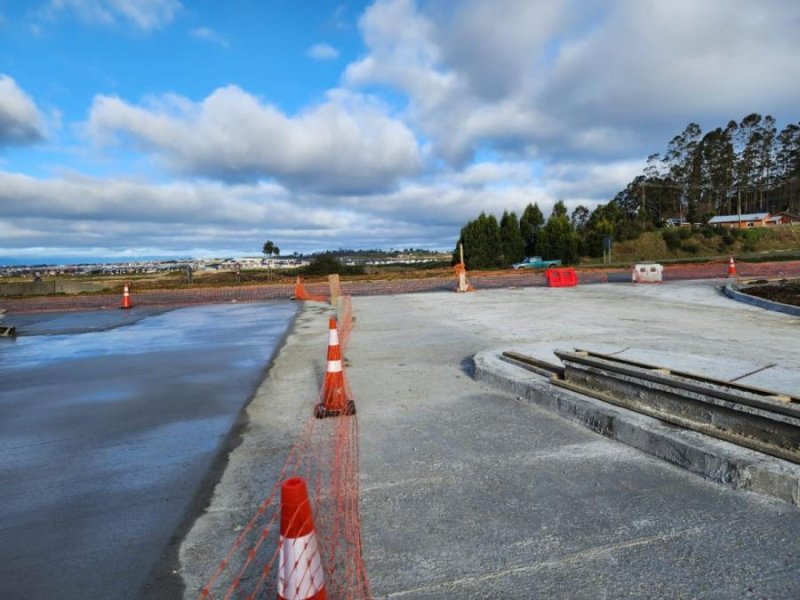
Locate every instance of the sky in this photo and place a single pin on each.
(172, 128)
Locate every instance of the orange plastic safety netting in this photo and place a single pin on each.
(345, 320)
(300, 292)
(299, 557)
(462, 283)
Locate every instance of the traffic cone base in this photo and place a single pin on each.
(321, 412)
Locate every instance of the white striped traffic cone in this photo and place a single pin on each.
(300, 574)
(126, 298)
(334, 390)
(731, 268)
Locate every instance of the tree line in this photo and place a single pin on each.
(492, 244)
(744, 167)
(489, 244)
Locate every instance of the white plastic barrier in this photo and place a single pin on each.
(647, 273)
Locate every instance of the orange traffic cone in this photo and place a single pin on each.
(334, 390)
(300, 574)
(126, 298)
(731, 268)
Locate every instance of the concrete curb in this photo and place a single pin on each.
(738, 468)
(731, 291)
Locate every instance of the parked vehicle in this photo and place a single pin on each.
(536, 262)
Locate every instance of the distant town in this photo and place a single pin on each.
(241, 263)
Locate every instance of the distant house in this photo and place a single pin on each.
(783, 218)
(740, 221)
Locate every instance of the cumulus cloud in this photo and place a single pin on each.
(144, 15)
(207, 34)
(122, 216)
(419, 56)
(115, 217)
(537, 77)
(346, 143)
(20, 120)
(323, 52)
(703, 59)
(494, 105)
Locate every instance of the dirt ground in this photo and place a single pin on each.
(785, 293)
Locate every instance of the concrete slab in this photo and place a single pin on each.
(714, 459)
(273, 419)
(109, 425)
(468, 492)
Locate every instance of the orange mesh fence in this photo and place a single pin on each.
(300, 292)
(344, 315)
(719, 269)
(593, 277)
(714, 270)
(462, 283)
(184, 297)
(782, 269)
(304, 553)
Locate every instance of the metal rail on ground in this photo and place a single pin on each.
(759, 419)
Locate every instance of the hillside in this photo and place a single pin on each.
(686, 244)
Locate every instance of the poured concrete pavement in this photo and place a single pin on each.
(468, 492)
(109, 424)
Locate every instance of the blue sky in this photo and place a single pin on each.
(133, 128)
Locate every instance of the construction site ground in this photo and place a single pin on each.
(468, 492)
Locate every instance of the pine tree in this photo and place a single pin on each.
(483, 248)
(511, 238)
(530, 224)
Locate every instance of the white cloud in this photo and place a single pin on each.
(494, 173)
(408, 52)
(144, 15)
(346, 143)
(322, 52)
(209, 35)
(589, 182)
(20, 120)
(118, 215)
(683, 59)
(501, 104)
(556, 78)
(113, 217)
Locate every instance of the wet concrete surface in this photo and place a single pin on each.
(107, 437)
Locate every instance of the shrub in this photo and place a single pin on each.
(685, 232)
(672, 238)
(754, 235)
(690, 247)
(327, 264)
(751, 238)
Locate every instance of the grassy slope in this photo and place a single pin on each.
(651, 246)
